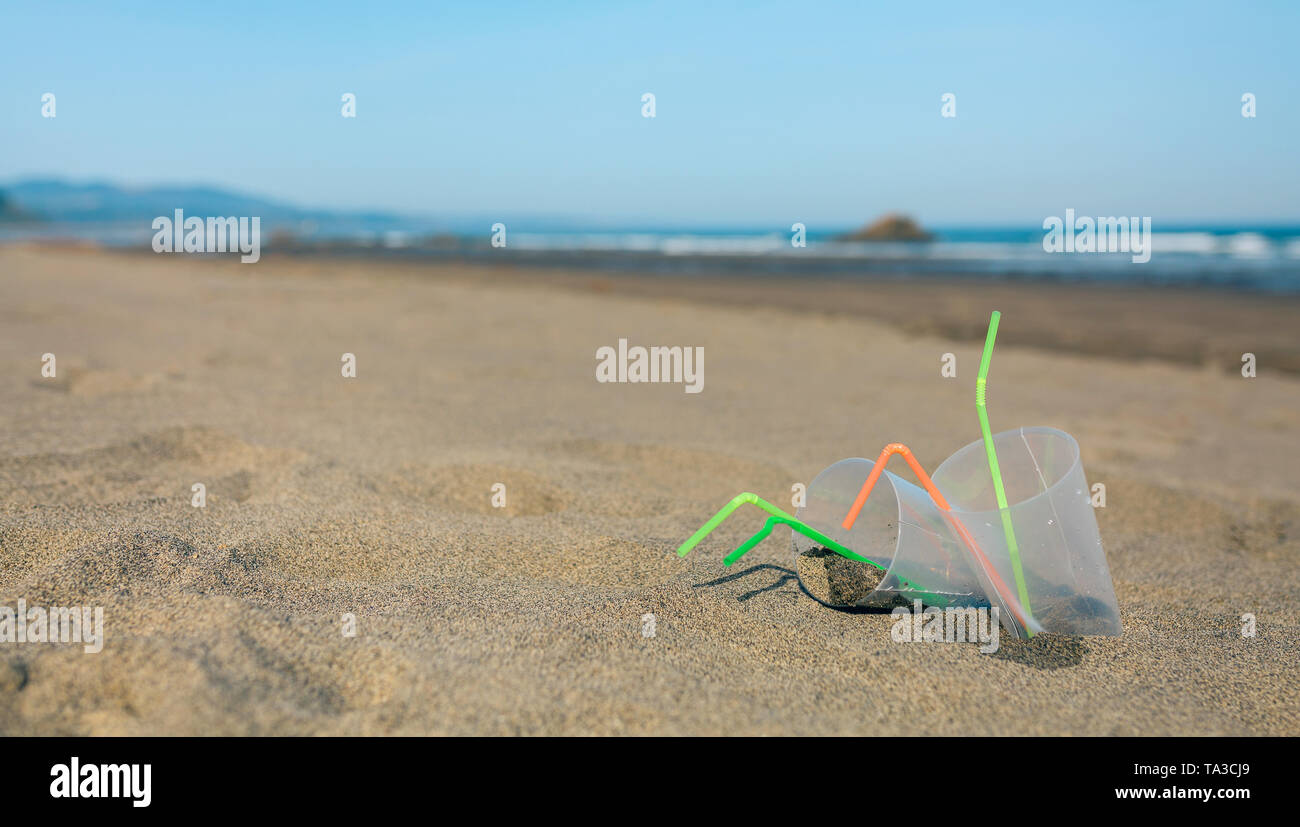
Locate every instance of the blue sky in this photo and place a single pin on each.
(766, 112)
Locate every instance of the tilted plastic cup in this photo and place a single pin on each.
(1064, 582)
(899, 527)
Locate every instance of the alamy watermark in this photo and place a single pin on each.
(58, 624)
(178, 234)
(654, 364)
(77, 780)
(1099, 235)
(950, 625)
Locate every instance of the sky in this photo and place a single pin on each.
(766, 113)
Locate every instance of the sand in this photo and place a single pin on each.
(835, 580)
(371, 497)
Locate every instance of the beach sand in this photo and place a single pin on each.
(371, 497)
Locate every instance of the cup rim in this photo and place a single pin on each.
(978, 445)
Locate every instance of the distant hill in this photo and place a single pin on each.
(102, 203)
(11, 212)
(890, 227)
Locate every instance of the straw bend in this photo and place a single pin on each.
(889, 450)
(778, 517)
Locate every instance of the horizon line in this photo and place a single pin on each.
(644, 224)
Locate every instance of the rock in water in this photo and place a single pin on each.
(891, 227)
(836, 580)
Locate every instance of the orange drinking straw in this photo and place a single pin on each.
(901, 449)
(891, 449)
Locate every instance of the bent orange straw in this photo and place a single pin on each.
(936, 495)
(891, 449)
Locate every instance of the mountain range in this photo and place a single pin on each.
(50, 200)
(37, 201)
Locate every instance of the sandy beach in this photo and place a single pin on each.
(372, 497)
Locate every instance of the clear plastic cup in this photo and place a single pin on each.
(900, 527)
(1066, 580)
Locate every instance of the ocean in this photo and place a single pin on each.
(1261, 257)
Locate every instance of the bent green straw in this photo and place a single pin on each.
(778, 516)
(1007, 528)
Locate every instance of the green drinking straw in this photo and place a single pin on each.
(778, 517)
(1007, 528)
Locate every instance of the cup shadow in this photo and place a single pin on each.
(1043, 651)
(787, 576)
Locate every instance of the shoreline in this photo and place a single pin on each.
(1184, 325)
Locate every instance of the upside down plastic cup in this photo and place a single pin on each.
(899, 527)
(1067, 587)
